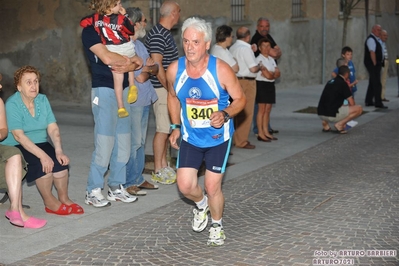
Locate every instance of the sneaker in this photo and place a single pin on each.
(216, 235)
(120, 194)
(200, 220)
(169, 170)
(96, 198)
(162, 177)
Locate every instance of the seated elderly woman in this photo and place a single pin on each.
(12, 170)
(30, 120)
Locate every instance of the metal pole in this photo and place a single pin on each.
(323, 61)
(397, 70)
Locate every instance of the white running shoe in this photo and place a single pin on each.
(120, 194)
(96, 198)
(216, 235)
(200, 220)
(163, 177)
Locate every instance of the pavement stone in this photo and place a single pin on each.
(338, 192)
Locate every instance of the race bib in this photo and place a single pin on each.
(199, 111)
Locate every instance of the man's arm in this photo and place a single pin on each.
(106, 56)
(118, 62)
(173, 104)
(255, 69)
(229, 82)
(149, 69)
(373, 57)
(275, 52)
(161, 76)
(351, 101)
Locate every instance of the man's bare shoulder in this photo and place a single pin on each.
(172, 69)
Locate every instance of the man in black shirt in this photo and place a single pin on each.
(330, 108)
(373, 59)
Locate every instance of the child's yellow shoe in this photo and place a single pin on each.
(132, 94)
(122, 112)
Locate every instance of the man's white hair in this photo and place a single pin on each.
(200, 25)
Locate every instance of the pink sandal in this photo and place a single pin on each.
(15, 218)
(34, 223)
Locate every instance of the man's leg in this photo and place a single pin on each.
(384, 79)
(162, 173)
(160, 146)
(136, 164)
(326, 126)
(104, 108)
(377, 87)
(134, 168)
(213, 187)
(354, 111)
(370, 92)
(121, 150)
(243, 120)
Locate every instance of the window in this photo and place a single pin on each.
(237, 10)
(378, 8)
(298, 9)
(341, 7)
(155, 6)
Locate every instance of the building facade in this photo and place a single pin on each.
(46, 34)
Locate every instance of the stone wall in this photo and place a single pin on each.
(46, 34)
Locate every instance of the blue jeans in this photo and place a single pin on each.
(139, 124)
(111, 140)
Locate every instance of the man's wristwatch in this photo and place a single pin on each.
(174, 126)
(226, 116)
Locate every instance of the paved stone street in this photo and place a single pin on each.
(339, 195)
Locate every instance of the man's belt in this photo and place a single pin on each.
(249, 78)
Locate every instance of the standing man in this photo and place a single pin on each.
(262, 31)
(330, 108)
(163, 50)
(384, 39)
(139, 110)
(198, 102)
(373, 58)
(111, 133)
(242, 51)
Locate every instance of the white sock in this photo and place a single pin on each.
(202, 204)
(217, 222)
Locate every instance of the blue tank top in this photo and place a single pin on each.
(199, 98)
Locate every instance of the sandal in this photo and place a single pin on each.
(340, 131)
(34, 223)
(15, 218)
(62, 210)
(148, 185)
(76, 209)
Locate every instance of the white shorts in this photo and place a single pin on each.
(126, 49)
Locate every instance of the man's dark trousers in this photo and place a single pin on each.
(374, 88)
